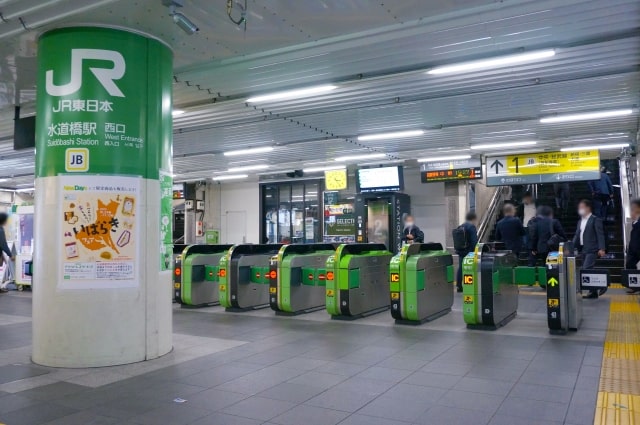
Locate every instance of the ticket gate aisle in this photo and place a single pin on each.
(357, 282)
(297, 278)
(489, 293)
(196, 275)
(564, 295)
(421, 283)
(177, 275)
(244, 276)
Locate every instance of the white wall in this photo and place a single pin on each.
(233, 208)
(428, 206)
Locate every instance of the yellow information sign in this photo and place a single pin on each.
(543, 167)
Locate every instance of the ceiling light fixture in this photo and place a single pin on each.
(497, 62)
(230, 177)
(598, 147)
(248, 168)
(503, 145)
(358, 157)
(444, 158)
(586, 116)
(390, 135)
(292, 94)
(249, 151)
(177, 112)
(320, 169)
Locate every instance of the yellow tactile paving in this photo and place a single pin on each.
(619, 395)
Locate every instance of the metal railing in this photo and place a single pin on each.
(488, 219)
(628, 191)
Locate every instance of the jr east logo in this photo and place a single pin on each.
(105, 76)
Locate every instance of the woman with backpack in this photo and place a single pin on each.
(465, 238)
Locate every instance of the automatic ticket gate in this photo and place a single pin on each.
(244, 276)
(490, 295)
(357, 280)
(564, 295)
(195, 275)
(421, 283)
(297, 278)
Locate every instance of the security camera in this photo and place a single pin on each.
(185, 23)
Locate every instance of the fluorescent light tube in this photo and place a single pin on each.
(230, 177)
(248, 168)
(292, 94)
(598, 147)
(319, 169)
(444, 158)
(503, 145)
(358, 157)
(27, 189)
(177, 112)
(586, 116)
(492, 63)
(249, 151)
(390, 135)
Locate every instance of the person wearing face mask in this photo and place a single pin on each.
(633, 250)
(589, 239)
(601, 193)
(412, 233)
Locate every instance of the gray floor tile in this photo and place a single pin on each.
(54, 391)
(343, 400)
(295, 393)
(10, 373)
(416, 393)
(495, 373)
(384, 374)
(343, 369)
(406, 410)
(448, 368)
(126, 407)
(175, 414)
(310, 415)
(12, 402)
(219, 375)
(259, 408)
(214, 399)
(364, 385)
(37, 414)
(169, 391)
(552, 379)
(318, 379)
(512, 420)
(441, 415)
(534, 410)
(431, 379)
(303, 363)
(403, 362)
(84, 418)
(358, 419)
(473, 401)
(485, 386)
(258, 381)
(218, 418)
(542, 392)
(582, 406)
(591, 371)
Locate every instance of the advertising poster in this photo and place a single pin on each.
(166, 221)
(99, 231)
(340, 223)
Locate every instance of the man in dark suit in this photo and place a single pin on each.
(412, 233)
(541, 230)
(471, 232)
(633, 250)
(509, 230)
(589, 239)
(602, 193)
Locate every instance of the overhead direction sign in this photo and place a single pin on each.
(543, 167)
(442, 171)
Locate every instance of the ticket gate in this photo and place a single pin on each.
(195, 275)
(244, 276)
(529, 276)
(564, 296)
(357, 283)
(421, 283)
(297, 278)
(489, 293)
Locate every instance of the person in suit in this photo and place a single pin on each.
(562, 192)
(633, 250)
(509, 230)
(527, 212)
(589, 239)
(412, 233)
(541, 229)
(471, 231)
(601, 193)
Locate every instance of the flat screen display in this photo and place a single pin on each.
(24, 133)
(382, 179)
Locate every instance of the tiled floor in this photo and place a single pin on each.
(255, 368)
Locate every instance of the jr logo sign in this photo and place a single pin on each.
(105, 76)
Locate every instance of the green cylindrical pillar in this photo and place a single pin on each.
(102, 279)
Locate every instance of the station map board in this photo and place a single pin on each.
(443, 171)
(543, 167)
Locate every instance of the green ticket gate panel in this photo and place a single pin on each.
(529, 276)
(489, 293)
(564, 296)
(193, 285)
(421, 283)
(357, 280)
(244, 276)
(300, 275)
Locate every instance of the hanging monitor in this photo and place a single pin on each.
(381, 179)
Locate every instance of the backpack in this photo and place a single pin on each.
(460, 240)
(553, 243)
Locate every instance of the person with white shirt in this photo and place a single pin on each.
(527, 211)
(589, 239)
